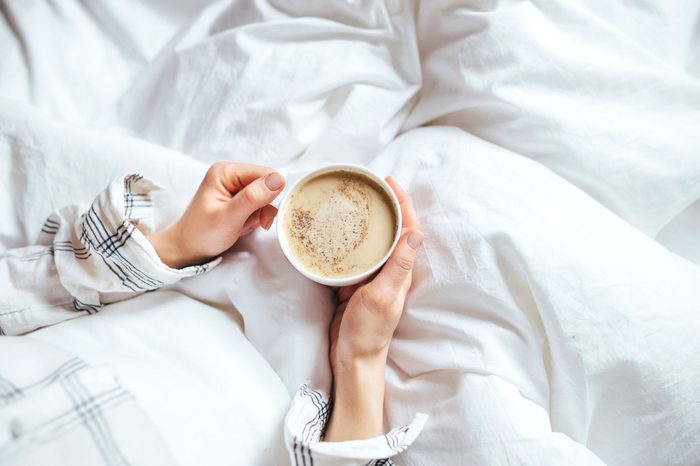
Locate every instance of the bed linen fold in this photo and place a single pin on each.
(546, 325)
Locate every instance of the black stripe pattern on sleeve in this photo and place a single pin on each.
(107, 241)
(381, 462)
(80, 253)
(392, 439)
(50, 226)
(314, 428)
(89, 308)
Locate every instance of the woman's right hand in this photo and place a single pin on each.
(361, 330)
(232, 200)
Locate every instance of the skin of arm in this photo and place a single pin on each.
(232, 201)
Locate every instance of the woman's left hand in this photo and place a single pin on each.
(361, 330)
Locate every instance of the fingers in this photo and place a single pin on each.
(251, 223)
(256, 195)
(395, 276)
(408, 214)
(267, 216)
(344, 293)
(234, 176)
(262, 217)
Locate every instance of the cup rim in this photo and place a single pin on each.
(351, 279)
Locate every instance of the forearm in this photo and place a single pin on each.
(358, 409)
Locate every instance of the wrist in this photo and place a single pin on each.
(167, 246)
(358, 366)
(358, 407)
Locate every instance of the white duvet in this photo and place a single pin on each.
(547, 323)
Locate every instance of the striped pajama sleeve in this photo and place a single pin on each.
(306, 422)
(86, 257)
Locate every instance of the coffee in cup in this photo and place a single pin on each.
(339, 224)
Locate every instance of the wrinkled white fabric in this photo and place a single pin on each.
(54, 405)
(533, 296)
(542, 329)
(605, 94)
(272, 80)
(211, 396)
(74, 60)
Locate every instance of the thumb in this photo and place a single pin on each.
(256, 195)
(399, 267)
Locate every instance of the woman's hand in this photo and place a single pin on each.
(232, 200)
(361, 330)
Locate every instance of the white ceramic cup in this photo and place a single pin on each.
(281, 221)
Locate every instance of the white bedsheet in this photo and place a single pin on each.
(539, 322)
(193, 371)
(546, 325)
(273, 80)
(604, 93)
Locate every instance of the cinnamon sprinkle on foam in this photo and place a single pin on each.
(337, 227)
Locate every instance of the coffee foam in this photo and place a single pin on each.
(329, 225)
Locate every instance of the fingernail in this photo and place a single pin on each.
(274, 181)
(268, 224)
(415, 239)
